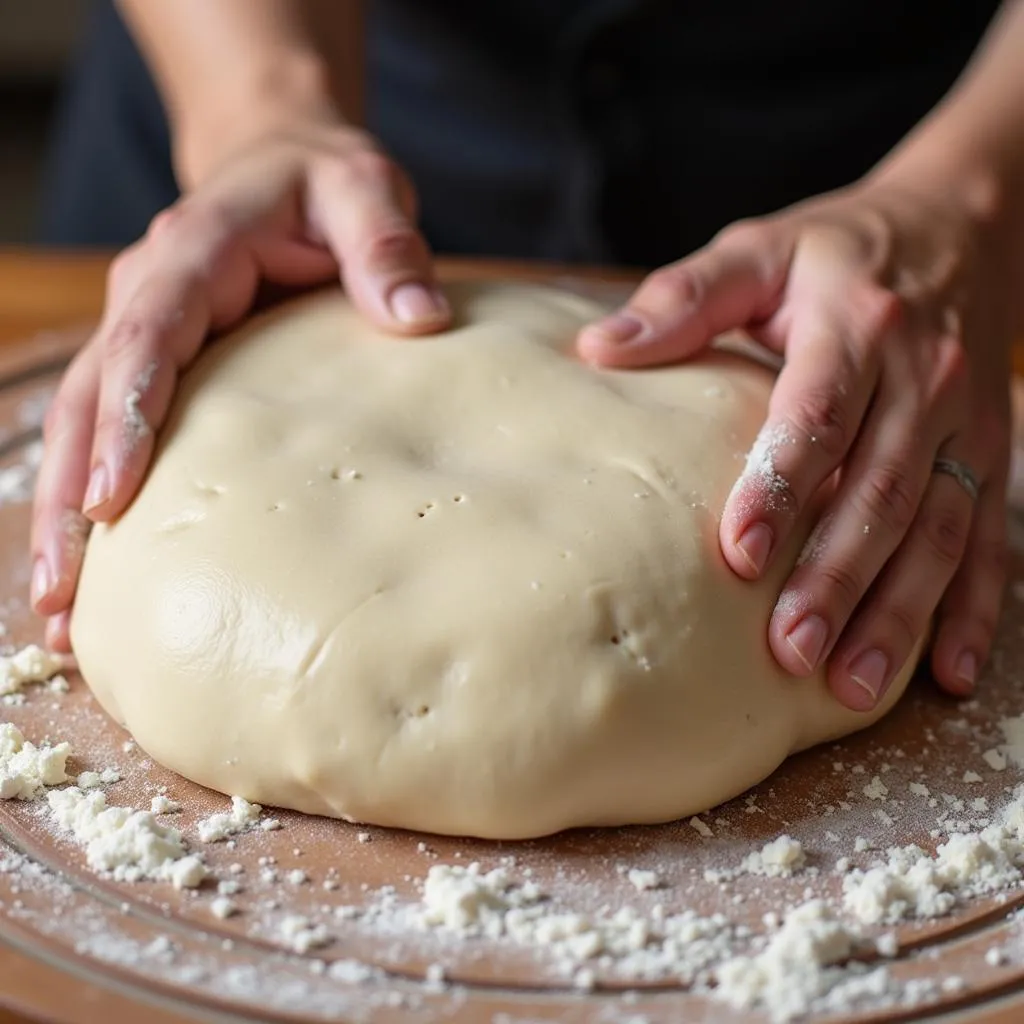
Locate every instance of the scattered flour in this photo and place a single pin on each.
(641, 880)
(910, 883)
(131, 845)
(29, 665)
(779, 858)
(876, 789)
(161, 804)
(994, 759)
(25, 769)
(701, 828)
(795, 971)
(93, 780)
(302, 935)
(761, 460)
(469, 902)
(222, 908)
(242, 816)
(17, 482)
(1013, 747)
(136, 428)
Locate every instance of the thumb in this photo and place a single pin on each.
(679, 309)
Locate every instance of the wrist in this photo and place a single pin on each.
(978, 191)
(272, 96)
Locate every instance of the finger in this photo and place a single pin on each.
(861, 527)
(895, 616)
(883, 482)
(59, 529)
(969, 613)
(363, 208)
(58, 633)
(816, 410)
(142, 348)
(679, 309)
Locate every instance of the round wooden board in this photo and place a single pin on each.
(92, 949)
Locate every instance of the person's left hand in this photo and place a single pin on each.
(892, 310)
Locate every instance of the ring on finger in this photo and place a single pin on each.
(959, 471)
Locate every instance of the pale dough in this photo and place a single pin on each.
(463, 584)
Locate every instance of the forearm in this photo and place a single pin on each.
(973, 142)
(229, 69)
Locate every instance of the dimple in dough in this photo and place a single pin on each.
(463, 584)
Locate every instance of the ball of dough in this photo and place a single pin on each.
(461, 584)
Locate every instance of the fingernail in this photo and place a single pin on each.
(620, 328)
(42, 580)
(807, 638)
(869, 671)
(98, 492)
(755, 545)
(415, 303)
(967, 668)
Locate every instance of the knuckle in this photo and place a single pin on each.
(844, 581)
(990, 558)
(978, 623)
(821, 415)
(986, 624)
(945, 530)
(109, 428)
(902, 624)
(122, 271)
(674, 284)
(392, 245)
(126, 338)
(165, 221)
(882, 310)
(888, 495)
(952, 369)
(210, 219)
(347, 170)
(742, 234)
(993, 431)
(371, 163)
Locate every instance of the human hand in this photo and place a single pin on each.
(892, 311)
(295, 207)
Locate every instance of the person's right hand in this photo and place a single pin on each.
(294, 207)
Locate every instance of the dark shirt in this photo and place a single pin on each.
(625, 131)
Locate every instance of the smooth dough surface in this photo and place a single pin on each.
(463, 584)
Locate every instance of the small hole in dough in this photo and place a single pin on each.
(459, 498)
(429, 507)
(417, 712)
(276, 507)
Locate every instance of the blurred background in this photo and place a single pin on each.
(37, 39)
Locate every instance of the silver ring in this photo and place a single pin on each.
(960, 472)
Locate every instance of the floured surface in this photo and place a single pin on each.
(375, 961)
